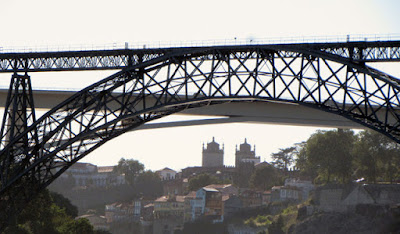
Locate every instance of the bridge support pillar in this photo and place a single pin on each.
(19, 114)
(19, 111)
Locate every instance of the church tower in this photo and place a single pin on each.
(245, 154)
(213, 156)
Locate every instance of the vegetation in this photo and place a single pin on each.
(149, 184)
(49, 213)
(264, 178)
(144, 183)
(341, 156)
(202, 180)
(130, 168)
(284, 158)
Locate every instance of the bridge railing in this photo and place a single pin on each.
(203, 43)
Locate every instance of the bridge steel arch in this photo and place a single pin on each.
(191, 78)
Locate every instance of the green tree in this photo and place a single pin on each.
(284, 158)
(330, 154)
(47, 213)
(265, 178)
(377, 157)
(303, 163)
(130, 167)
(64, 203)
(43, 215)
(202, 180)
(80, 226)
(38, 216)
(149, 184)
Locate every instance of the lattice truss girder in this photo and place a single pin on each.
(172, 83)
(363, 51)
(64, 61)
(367, 54)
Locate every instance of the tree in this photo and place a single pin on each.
(130, 167)
(284, 158)
(330, 154)
(80, 226)
(149, 184)
(265, 178)
(377, 157)
(243, 174)
(202, 180)
(64, 203)
(42, 215)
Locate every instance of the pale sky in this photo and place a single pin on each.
(27, 24)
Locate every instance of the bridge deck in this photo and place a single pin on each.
(361, 51)
(266, 112)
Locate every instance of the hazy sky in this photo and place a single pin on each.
(62, 23)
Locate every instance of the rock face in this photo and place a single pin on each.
(365, 219)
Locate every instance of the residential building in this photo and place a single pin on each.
(213, 155)
(286, 193)
(304, 186)
(224, 189)
(175, 187)
(168, 214)
(266, 197)
(232, 204)
(89, 175)
(251, 197)
(119, 212)
(166, 174)
(211, 200)
(194, 207)
(169, 207)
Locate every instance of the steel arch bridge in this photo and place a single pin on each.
(160, 82)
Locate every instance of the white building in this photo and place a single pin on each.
(167, 174)
(86, 174)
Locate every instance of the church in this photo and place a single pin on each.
(213, 154)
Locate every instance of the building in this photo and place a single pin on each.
(175, 187)
(169, 207)
(168, 214)
(345, 197)
(245, 155)
(213, 155)
(224, 189)
(89, 175)
(167, 174)
(119, 212)
(211, 200)
(286, 193)
(304, 186)
(251, 198)
(232, 204)
(194, 207)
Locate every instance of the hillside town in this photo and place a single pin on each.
(169, 201)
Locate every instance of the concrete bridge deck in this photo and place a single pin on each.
(271, 112)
